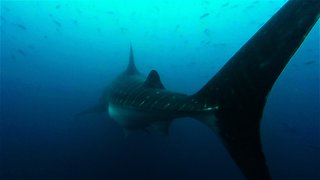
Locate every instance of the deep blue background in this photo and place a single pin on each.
(57, 57)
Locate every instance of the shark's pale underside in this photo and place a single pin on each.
(232, 102)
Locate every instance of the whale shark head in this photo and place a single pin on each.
(231, 103)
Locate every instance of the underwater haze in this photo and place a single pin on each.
(57, 57)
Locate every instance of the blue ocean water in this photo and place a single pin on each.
(58, 56)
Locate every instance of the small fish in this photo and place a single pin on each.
(79, 11)
(123, 29)
(204, 15)
(314, 147)
(207, 32)
(255, 2)
(289, 128)
(110, 12)
(3, 19)
(219, 44)
(75, 22)
(58, 6)
(21, 52)
(234, 6)
(133, 14)
(57, 23)
(309, 62)
(20, 26)
(31, 47)
(250, 6)
(6, 8)
(206, 2)
(156, 8)
(225, 4)
(205, 42)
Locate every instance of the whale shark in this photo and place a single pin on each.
(231, 103)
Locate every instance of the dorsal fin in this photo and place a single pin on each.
(153, 80)
(131, 69)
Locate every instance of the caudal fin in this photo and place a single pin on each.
(239, 90)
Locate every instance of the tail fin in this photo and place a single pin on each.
(240, 88)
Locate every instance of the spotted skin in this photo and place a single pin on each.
(129, 92)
